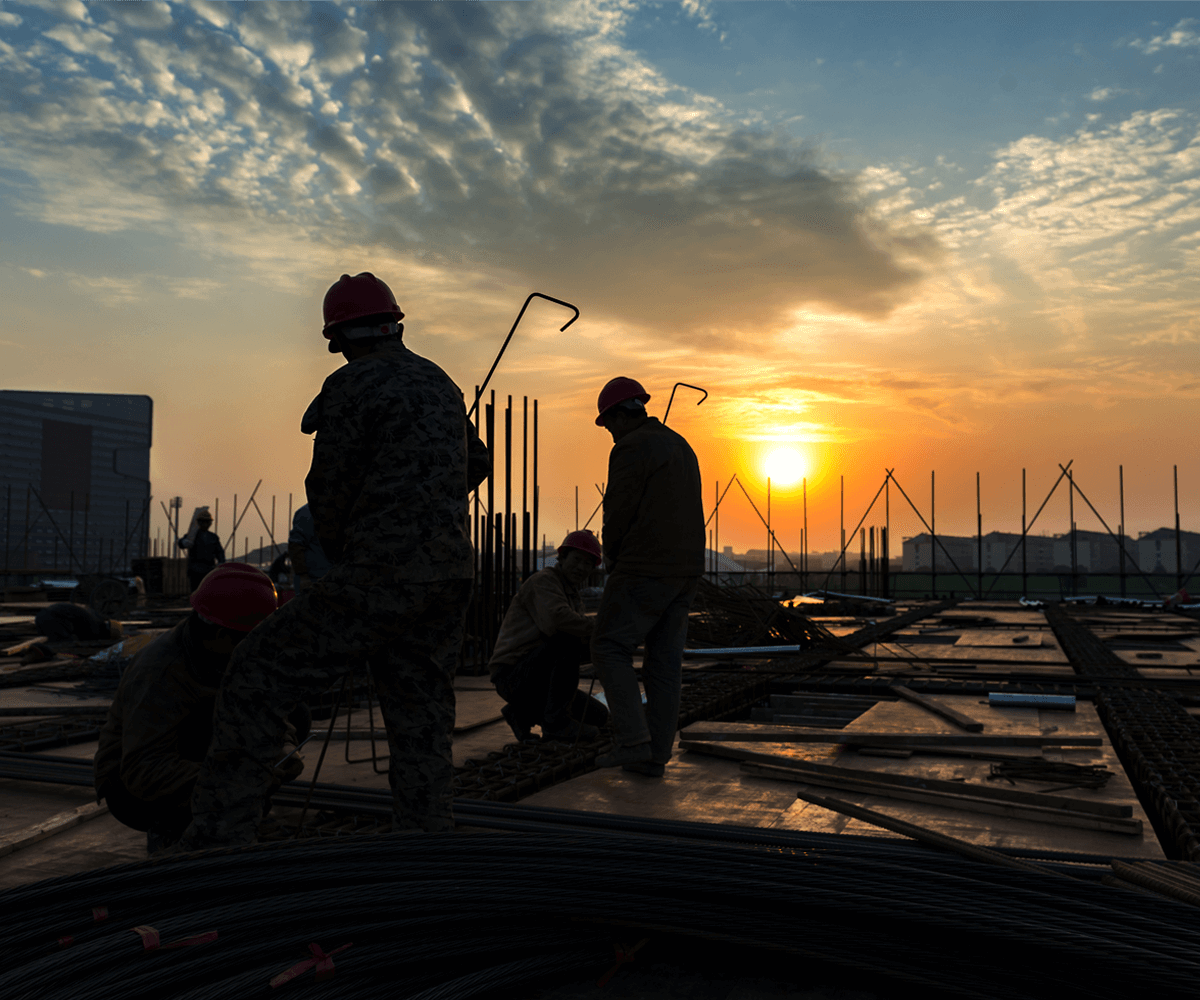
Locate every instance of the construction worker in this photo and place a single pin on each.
(160, 723)
(543, 640)
(204, 549)
(309, 561)
(654, 553)
(393, 461)
(64, 622)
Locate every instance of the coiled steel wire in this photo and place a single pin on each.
(455, 915)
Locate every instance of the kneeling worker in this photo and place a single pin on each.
(160, 723)
(542, 642)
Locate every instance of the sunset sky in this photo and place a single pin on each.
(962, 237)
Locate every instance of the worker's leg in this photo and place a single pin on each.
(662, 669)
(300, 649)
(415, 684)
(629, 609)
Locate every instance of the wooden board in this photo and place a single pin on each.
(969, 803)
(742, 732)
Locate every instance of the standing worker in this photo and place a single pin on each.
(204, 549)
(654, 553)
(393, 461)
(543, 640)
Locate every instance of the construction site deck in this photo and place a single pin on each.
(888, 711)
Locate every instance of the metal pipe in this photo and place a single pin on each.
(516, 322)
(1121, 526)
(978, 536)
(672, 399)
(1178, 542)
(1024, 561)
(536, 487)
(932, 536)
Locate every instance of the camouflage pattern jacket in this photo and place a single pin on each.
(393, 462)
(547, 604)
(653, 513)
(160, 723)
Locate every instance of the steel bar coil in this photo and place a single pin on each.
(454, 915)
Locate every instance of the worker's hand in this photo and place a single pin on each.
(290, 769)
(301, 582)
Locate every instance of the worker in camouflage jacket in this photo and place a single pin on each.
(653, 541)
(159, 725)
(393, 462)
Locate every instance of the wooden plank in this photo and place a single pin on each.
(968, 803)
(921, 833)
(1046, 800)
(48, 828)
(1042, 800)
(749, 733)
(927, 703)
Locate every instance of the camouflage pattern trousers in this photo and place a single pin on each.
(411, 635)
(633, 610)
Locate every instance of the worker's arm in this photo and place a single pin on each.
(184, 543)
(220, 549)
(151, 766)
(622, 497)
(550, 609)
(341, 455)
(479, 459)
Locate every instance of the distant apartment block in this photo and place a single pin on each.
(74, 480)
(1094, 552)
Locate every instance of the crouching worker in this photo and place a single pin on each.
(543, 640)
(160, 723)
(65, 623)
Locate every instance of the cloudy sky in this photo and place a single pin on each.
(910, 236)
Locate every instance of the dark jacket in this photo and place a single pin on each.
(653, 513)
(204, 551)
(160, 723)
(393, 462)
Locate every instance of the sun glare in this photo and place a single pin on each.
(785, 466)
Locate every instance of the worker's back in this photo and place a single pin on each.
(393, 462)
(653, 511)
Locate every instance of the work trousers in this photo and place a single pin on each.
(162, 820)
(541, 685)
(411, 635)
(654, 611)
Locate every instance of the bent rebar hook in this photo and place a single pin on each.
(516, 323)
(686, 386)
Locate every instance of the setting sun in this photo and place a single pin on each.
(785, 466)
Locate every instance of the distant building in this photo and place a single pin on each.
(1156, 550)
(1094, 552)
(945, 555)
(74, 481)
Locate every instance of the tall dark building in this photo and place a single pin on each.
(74, 481)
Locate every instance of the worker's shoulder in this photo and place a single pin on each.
(543, 580)
(390, 372)
(155, 663)
(653, 437)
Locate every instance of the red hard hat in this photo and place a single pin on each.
(360, 295)
(585, 541)
(617, 391)
(236, 596)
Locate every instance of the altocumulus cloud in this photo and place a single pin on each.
(525, 139)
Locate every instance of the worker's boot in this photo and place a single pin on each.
(520, 730)
(639, 753)
(563, 727)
